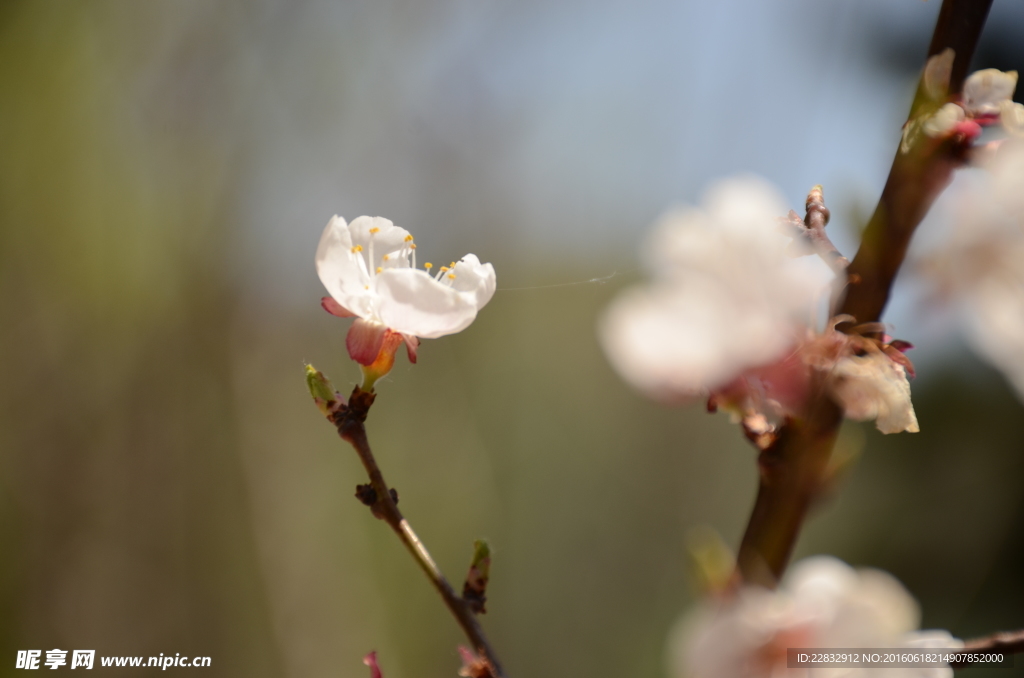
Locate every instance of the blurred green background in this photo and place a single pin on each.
(166, 485)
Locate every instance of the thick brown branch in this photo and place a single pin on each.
(791, 472)
(792, 468)
(349, 421)
(916, 177)
(1007, 642)
(959, 27)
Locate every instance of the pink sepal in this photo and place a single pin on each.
(334, 308)
(412, 345)
(900, 345)
(473, 666)
(896, 355)
(970, 129)
(364, 341)
(371, 661)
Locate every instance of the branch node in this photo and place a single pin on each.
(368, 496)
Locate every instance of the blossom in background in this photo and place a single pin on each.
(822, 603)
(725, 296)
(731, 315)
(981, 266)
(369, 269)
(987, 98)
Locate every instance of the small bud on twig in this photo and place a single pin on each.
(474, 591)
(713, 563)
(473, 666)
(320, 388)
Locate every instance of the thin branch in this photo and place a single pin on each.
(810, 231)
(349, 421)
(792, 467)
(1007, 642)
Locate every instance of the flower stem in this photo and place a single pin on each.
(792, 468)
(349, 422)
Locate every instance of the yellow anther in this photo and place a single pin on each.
(357, 248)
(408, 238)
(444, 268)
(375, 229)
(452, 265)
(428, 266)
(379, 269)
(385, 258)
(412, 246)
(451, 276)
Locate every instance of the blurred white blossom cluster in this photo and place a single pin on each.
(986, 99)
(981, 266)
(732, 315)
(821, 603)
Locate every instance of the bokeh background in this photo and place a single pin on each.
(165, 171)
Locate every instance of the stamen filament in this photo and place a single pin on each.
(373, 232)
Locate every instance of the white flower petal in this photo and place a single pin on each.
(997, 327)
(874, 387)
(985, 90)
(943, 120)
(1011, 114)
(411, 302)
(682, 341)
(743, 203)
(475, 279)
(388, 237)
(937, 73)
(982, 264)
(660, 347)
(342, 271)
(395, 259)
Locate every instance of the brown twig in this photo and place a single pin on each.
(1007, 642)
(811, 231)
(791, 468)
(349, 419)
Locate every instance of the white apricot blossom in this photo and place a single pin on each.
(987, 98)
(821, 603)
(726, 296)
(731, 315)
(981, 266)
(369, 268)
(986, 90)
